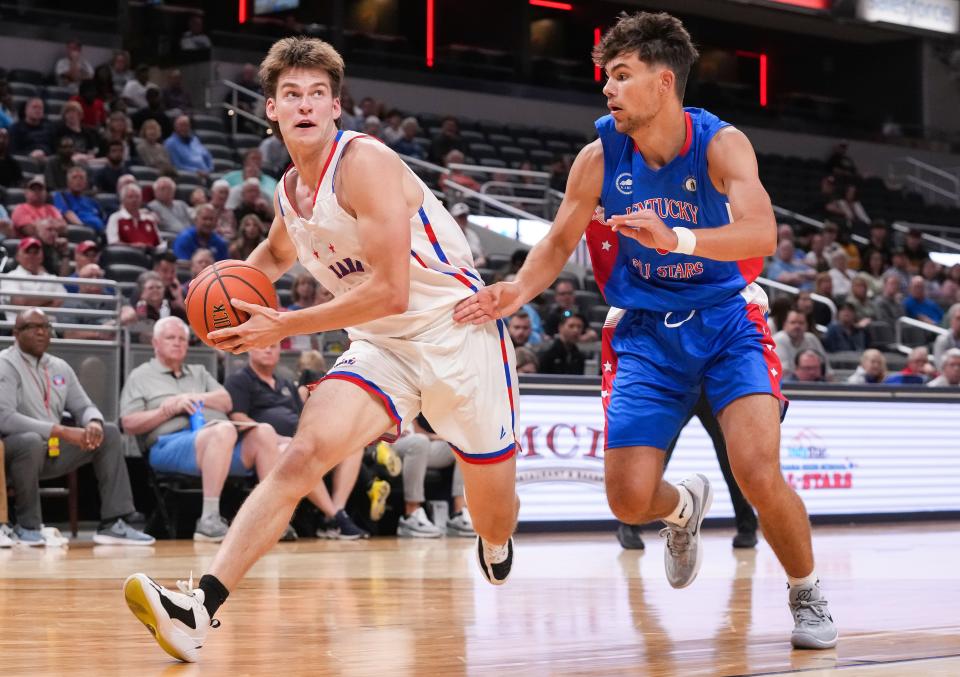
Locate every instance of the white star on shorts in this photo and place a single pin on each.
(606, 246)
(607, 366)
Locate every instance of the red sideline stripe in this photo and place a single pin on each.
(473, 460)
(602, 260)
(770, 356)
(689, 140)
(506, 367)
(607, 354)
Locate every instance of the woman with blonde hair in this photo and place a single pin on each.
(249, 235)
(151, 151)
(872, 369)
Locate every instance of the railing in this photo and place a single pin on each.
(794, 291)
(935, 184)
(802, 218)
(917, 325)
(905, 226)
(542, 190)
(233, 105)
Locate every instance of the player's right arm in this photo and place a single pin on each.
(275, 255)
(548, 257)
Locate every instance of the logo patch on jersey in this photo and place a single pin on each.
(690, 184)
(59, 380)
(345, 361)
(624, 183)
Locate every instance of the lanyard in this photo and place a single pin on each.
(44, 391)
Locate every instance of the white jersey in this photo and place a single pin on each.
(328, 245)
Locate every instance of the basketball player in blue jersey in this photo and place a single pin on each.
(684, 229)
(397, 263)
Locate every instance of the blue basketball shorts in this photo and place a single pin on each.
(654, 365)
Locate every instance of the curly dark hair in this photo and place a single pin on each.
(657, 38)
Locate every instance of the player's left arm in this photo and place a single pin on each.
(370, 185)
(752, 232)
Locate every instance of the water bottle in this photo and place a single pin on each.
(165, 309)
(141, 309)
(197, 419)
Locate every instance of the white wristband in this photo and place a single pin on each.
(686, 240)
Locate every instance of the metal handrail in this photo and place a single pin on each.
(951, 192)
(904, 227)
(233, 109)
(802, 218)
(917, 324)
(503, 206)
(794, 291)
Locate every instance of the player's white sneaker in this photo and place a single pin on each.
(682, 555)
(495, 560)
(177, 620)
(813, 624)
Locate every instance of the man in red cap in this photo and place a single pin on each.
(84, 254)
(30, 260)
(27, 215)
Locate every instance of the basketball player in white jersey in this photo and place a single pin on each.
(397, 263)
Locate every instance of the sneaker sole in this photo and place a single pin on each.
(203, 538)
(139, 602)
(806, 641)
(704, 509)
(113, 540)
(486, 574)
(407, 533)
(460, 533)
(378, 506)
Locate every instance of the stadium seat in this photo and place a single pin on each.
(25, 75)
(14, 197)
(493, 162)
(124, 272)
(482, 150)
(122, 254)
(144, 173)
(184, 190)
(529, 142)
(29, 165)
(224, 166)
(220, 152)
(108, 201)
(210, 136)
(77, 234)
(513, 155)
(247, 140)
(207, 122)
(24, 89)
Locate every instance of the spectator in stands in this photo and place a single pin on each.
(348, 118)
(447, 140)
(949, 293)
(55, 172)
(888, 306)
(860, 296)
(187, 152)
(252, 167)
(72, 69)
(132, 224)
(461, 214)
(251, 234)
(879, 242)
(815, 258)
(152, 305)
(872, 369)
(405, 144)
(201, 234)
(777, 317)
(135, 91)
(794, 339)
(527, 362)
(30, 420)
(840, 275)
(30, 265)
(848, 210)
(457, 176)
(175, 98)
(32, 135)
(392, 123)
(198, 196)
(915, 251)
(784, 267)
(154, 110)
(165, 266)
(563, 356)
(91, 104)
(564, 305)
(917, 371)
(11, 176)
(156, 402)
(194, 39)
(6, 225)
(71, 126)
(56, 249)
(809, 367)
(275, 156)
(84, 254)
(201, 259)
(841, 165)
(373, 127)
(951, 370)
(822, 285)
(28, 215)
(951, 339)
(420, 449)
(115, 167)
(150, 148)
(805, 305)
(875, 266)
(172, 214)
(119, 71)
(918, 306)
(219, 193)
(7, 113)
(930, 271)
(260, 395)
(252, 202)
(847, 333)
(118, 128)
(519, 328)
(127, 315)
(559, 170)
(900, 266)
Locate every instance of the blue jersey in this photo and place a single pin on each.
(635, 277)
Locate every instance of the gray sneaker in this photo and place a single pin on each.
(213, 529)
(682, 555)
(461, 525)
(416, 525)
(29, 537)
(118, 532)
(813, 625)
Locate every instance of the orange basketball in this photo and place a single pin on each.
(208, 298)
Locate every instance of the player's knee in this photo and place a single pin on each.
(630, 503)
(760, 484)
(302, 466)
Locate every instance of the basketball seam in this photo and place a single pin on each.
(226, 295)
(247, 282)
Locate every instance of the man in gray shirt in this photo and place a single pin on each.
(36, 389)
(794, 338)
(174, 214)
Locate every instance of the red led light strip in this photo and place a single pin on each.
(549, 4)
(430, 33)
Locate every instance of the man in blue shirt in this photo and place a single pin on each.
(918, 306)
(186, 150)
(784, 267)
(77, 207)
(201, 235)
(406, 145)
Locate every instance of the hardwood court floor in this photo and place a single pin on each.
(575, 605)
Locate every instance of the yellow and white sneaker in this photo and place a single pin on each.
(389, 459)
(378, 493)
(177, 620)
